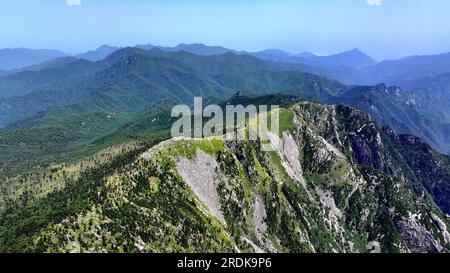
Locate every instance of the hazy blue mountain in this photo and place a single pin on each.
(351, 67)
(353, 58)
(405, 71)
(201, 49)
(146, 47)
(354, 67)
(343, 74)
(305, 54)
(343, 67)
(57, 76)
(275, 55)
(98, 54)
(439, 86)
(197, 49)
(13, 58)
(54, 63)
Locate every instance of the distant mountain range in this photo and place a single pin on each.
(21, 57)
(350, 67)
(406, 71)
(129, 79)
(421, 107)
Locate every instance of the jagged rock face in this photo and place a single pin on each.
(366, 151)
(331, 185)
(429, 169)
(418, 238)
(363, 138)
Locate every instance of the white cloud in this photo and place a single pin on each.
(374, 2)
(73, 2)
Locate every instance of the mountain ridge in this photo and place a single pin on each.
(343, 189)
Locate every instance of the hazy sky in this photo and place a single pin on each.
(381, 28)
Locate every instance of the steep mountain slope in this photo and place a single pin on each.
(435, 87)
(431, 169)
(424, 113)
(13, 58)
(331, 185)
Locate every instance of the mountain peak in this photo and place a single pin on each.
(275, 51)
(98, 54)
(355, 50)
(352, 52)
(105, 47)
(352, 58)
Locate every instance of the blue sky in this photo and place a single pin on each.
(381, 28)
